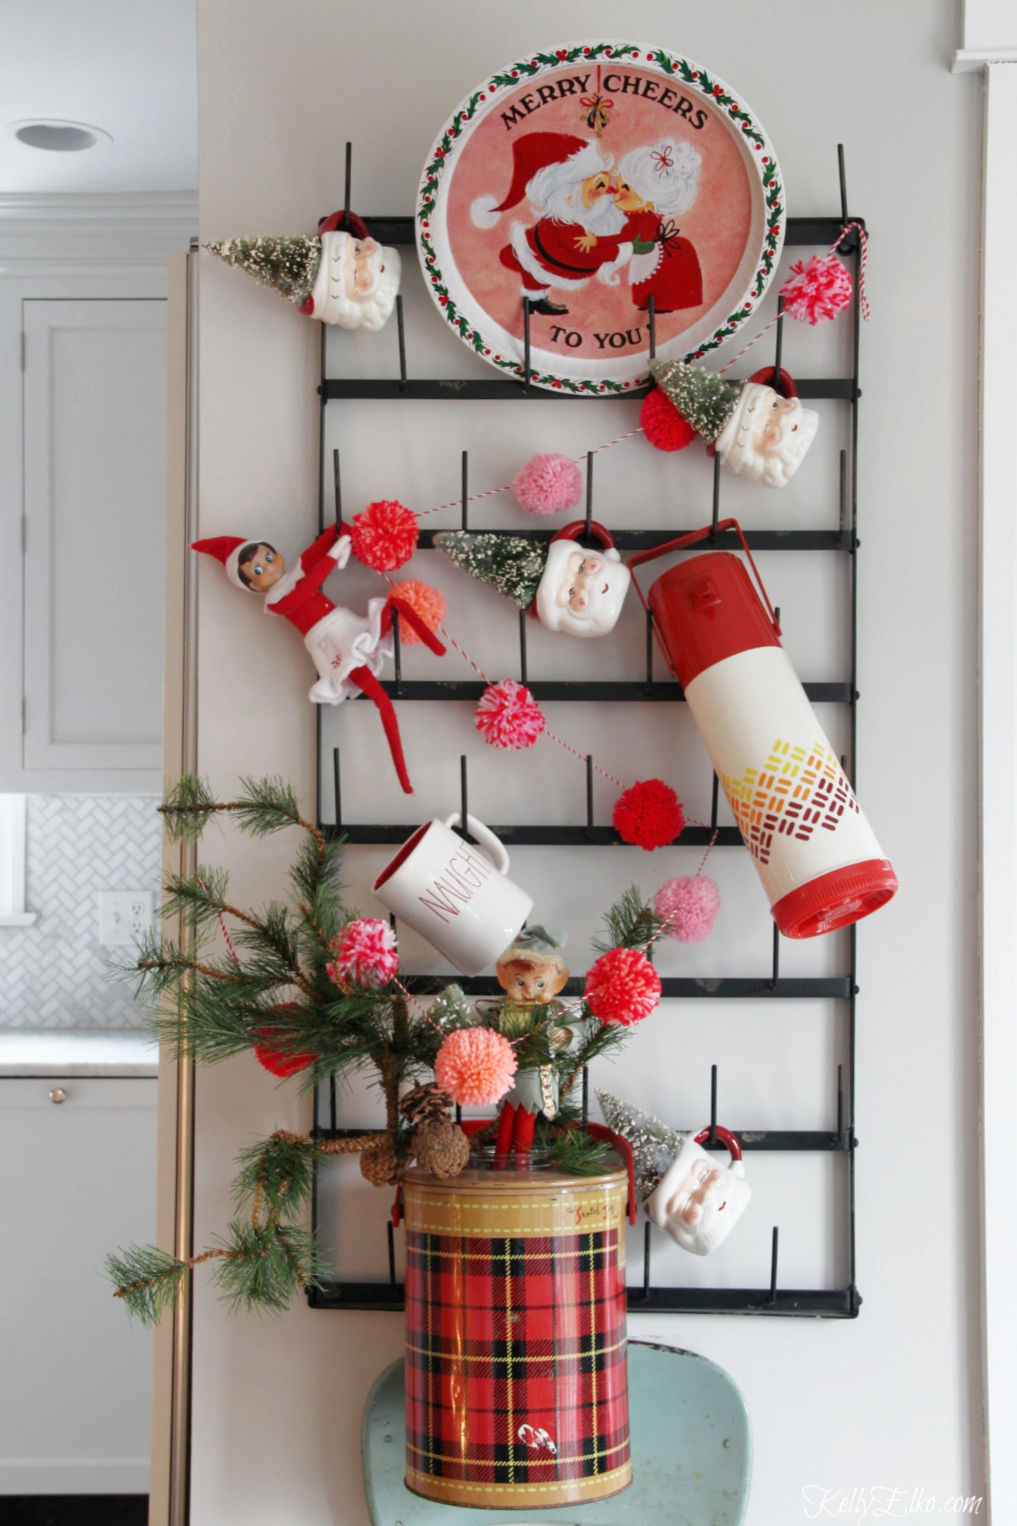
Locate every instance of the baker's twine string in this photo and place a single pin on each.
(222, 925)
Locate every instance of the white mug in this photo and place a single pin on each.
(697, 1202)
(463, 903)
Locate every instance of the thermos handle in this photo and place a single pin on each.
(693, 539)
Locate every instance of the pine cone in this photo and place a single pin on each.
(426, 1103)
(441, 1148)
(378, 1163)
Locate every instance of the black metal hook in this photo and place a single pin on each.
(348, 183)
(649, 646)
(401, 333)
(337, 490)
(589, 794)
(522, 646)
(526, 345)
(841, 176)
(463, 805)
(842, 494)
(773, 1264)
(775, 976)
(652, 316)
(397, 650)
(778, 346)
(337, 787)
(589, 494)
(713, 1104)
(465, 489)
(715, 516)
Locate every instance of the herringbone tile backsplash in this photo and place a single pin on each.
(56, 974)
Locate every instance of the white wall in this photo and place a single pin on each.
(889, 1399)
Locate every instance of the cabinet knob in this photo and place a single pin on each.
(58, 1094)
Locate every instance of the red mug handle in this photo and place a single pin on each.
(578, 527)
(726, 1138)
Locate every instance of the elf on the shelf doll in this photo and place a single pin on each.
(348, 649)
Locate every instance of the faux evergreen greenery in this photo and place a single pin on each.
(701, 397)
(510, 563)
(241, 978)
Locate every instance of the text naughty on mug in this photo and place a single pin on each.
(462, 902)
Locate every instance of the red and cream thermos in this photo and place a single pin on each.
(815, 853)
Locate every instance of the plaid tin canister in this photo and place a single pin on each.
(516, 1377)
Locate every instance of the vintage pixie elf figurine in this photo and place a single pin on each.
(532, 973)
(348, 649)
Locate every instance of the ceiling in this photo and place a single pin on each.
(127, 66)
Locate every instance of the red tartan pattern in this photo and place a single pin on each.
(798, 790)
(516, 1361)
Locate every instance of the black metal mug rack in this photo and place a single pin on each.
(768, 1297)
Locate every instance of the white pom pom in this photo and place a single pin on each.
(483, 212)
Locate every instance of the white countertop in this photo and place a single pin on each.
(69, 1052)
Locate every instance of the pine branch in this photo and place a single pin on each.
(264, 1267)
(630, 923)
(276, 1169)
(147, 1280)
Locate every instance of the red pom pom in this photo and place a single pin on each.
(622, 986)
(365, 953)
(662, 424)
(816, 290)
(283, 1061)
(508, 715)
(384, 535)
(426, 603)
(649, 814)
(548, 484)
(689, 905)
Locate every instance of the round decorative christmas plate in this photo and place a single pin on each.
(585, 184)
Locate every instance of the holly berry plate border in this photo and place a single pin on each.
(481, 332)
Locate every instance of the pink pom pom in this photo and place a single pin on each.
(662, 424)
(548, 484)
(508, 715)
(426, 603)
(365, 953)
(649, 814)
(622, 986)
(816, 290)
(689, 905)
(384, 535)
(475, 1066)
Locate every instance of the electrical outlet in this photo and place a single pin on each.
(124, 916)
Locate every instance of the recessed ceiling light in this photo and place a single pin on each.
(58, 137)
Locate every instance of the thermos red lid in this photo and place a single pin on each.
(706, 609)
(835, 899)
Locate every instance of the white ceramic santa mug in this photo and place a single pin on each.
(696, 1202)
(457, 898)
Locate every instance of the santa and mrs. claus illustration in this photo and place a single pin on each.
(594, 220)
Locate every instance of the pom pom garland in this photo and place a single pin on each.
(426, 603)
(365, 953)
(280, 1062)
(689, 905)
(648, 814)
(548, 484)
(475, 1066)
(384, 535)
(662, 424)
(817, 290)
(622, 986)
(508, 715)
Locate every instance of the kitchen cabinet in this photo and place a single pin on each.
(78, 1179)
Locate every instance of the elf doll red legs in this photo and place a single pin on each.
(348, 649)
